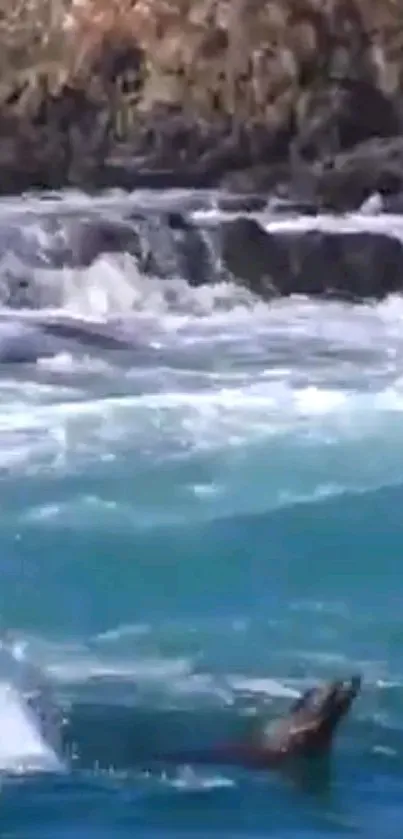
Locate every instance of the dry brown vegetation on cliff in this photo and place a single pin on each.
(277, 63)
(247, 57)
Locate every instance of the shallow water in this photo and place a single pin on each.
(190, 534)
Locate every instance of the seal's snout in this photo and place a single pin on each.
(355, 684)
(352, 687)
(341, 698)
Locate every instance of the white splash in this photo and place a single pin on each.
(23, 748)
(29, 719)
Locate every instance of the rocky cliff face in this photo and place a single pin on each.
(193, 91)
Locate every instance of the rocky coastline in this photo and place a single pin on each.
(298, 98)
(294, 101)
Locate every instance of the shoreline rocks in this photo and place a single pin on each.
(352, 266)
(276, 260)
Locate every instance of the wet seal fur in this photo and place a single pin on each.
(305, 734)
(308, 729)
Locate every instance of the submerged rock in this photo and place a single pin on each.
(24, 342)
(352, 266)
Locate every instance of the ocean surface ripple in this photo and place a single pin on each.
(193, 530)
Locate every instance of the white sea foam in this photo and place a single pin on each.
(84, 669)
(187, 780)
(221, 388)
(297, 382)
(270, 687)
(178, 680)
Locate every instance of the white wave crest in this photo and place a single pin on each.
(250, 407)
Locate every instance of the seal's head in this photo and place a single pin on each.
(316, 715)
(309, 727)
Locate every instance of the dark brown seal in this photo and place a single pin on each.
(306, 732)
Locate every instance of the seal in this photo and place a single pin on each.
(305, 732)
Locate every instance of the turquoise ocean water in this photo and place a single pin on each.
(191, 535)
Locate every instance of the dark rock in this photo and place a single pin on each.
(346, 180)
(26, 342)
(392, 203)
(89, 239)
(56, 140)
(135, 174)
(119, 59)
(341, 115)
(172, 247)
(194, 256)
(351, 266)
(338, 183)
(241, 146)
(292, 207)
(250, 255)
(176, 221)
(241, 203)
(258, 179)
(96, 336)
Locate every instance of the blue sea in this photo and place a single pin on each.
(190, 536)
